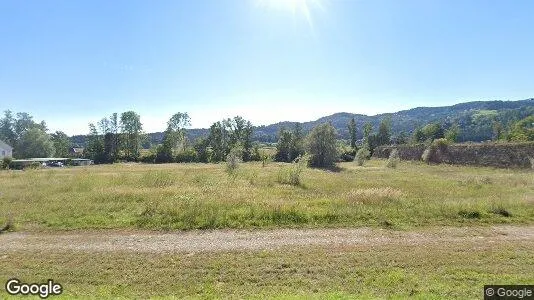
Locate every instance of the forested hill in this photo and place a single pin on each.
(475, 119)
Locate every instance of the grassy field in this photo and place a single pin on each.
(432, 271)
(202, 196)
(412, 197)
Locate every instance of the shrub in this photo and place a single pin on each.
(6, 163)
(362, 155)
(393, 159)
(232, 161)
(292, 174)
(347, 154)
(34, 166)
(186, 156)
(469, 214)
(163, 154)
(501, 211)
(265, 159)
(441, 144)
(148, 158)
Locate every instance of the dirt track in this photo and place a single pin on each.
(236, 240)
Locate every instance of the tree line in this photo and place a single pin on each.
(120, 137)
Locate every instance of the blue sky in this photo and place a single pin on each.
(73, 62)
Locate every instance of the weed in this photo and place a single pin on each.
(362, 155)
(469, 214)
(501, 211)
(232, 162)
(394, 159)
(291, 175)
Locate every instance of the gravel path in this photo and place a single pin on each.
(238, 240)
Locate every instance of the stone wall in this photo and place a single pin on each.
(502, 155)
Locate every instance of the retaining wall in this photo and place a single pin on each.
(502, 155)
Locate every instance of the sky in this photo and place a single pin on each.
(72, 62)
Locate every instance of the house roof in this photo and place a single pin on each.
(4, 145)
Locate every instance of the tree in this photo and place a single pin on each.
(61, 143)
(297, 143)
(452, 133)
(384, 135)
(352, 132)
(290, 144)
(218, 140)
(283, 147)
(498, 131)
(246, 141)
(367, 129)
(433, 131)
(321, 145)
(24, 122)
(132, 128)
(35, 143)
(95, 146)
(114, 130)
(173, 138)
(401, 138)
(201, 148)
(418, 136)
(241, 136)
(523, 130)
(176, 129)
(13, 128)
(7, 128)
(228, 134)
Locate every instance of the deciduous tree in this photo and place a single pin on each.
(321, 145)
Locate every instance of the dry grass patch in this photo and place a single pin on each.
(373, 195)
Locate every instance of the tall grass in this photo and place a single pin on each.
(188, 196)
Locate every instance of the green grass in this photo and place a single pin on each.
(430, 271)
(202, 196)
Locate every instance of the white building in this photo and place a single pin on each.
(5, 150)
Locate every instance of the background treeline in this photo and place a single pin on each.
(120, 137)
(477, 122)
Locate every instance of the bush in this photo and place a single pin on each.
(501, 211)
(362, 155)
(163, 154)
(265, 159)
(470, 214)
(441, 144)
(148, 158)
(5, 163)
(393, 159)
(292, 174)
(256, 155)
(34, 166)
(347, 154)
(186, 156)
(232, 161)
